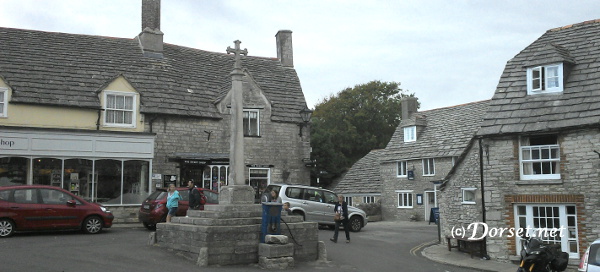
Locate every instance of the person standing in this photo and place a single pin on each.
(341, 208)
(172, 201)
(194, 196)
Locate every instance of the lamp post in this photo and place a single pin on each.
(305, 115)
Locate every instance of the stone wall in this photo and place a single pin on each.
(579, 167)
(125, 214)
(391, 183)
(279, 145)
(232, 236)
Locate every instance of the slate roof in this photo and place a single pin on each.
(364, 177)
(68, 70)
(446, 134)
(513, 111)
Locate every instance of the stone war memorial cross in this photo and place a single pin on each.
(237, 191)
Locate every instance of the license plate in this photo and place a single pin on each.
(146, 206)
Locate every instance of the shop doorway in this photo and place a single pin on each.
(191, 172)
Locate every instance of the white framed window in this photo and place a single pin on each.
(3, 102)
(539, 157)
(119, 109)
(428, 167)
(468, 195)
(545, 79)
(405, 199)
(368, 199)
(542, 218)
(251, 123)
(410, 134)
(401, 169)
(348, 200)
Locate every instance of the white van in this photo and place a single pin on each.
(316, 204)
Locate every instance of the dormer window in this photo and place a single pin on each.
(119, 109)
(545, 79)
(410, 134)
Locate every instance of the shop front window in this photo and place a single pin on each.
(109, 181)
(135, 182)
(77, 177)
(47, 171)
(13, 171)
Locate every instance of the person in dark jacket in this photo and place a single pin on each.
(194, 196)
(341, 208)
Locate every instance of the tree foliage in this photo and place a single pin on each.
(346, 126)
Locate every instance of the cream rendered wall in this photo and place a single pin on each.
(28, 115)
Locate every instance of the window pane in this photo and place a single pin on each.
(536, 78)
(110, 101)
(120, 103)
(129, 103)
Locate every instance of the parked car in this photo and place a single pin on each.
(590, 262)
(154, 210)
(316, 204)
(41, 207)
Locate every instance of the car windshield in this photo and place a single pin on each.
(157, 195)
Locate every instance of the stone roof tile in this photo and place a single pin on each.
(447, 133)
(67, 70)
(576, 45)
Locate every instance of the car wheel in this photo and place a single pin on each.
(92, 225)
(149, 226)
(355, 223)
(7, 227)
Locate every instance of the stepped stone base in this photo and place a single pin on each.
(230, 235)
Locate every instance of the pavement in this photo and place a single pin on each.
(439, 253)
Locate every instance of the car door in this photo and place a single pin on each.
(316, 205)
(594, 258)
(24, 209)
(329, 199)
(58, 212)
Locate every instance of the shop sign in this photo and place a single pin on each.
(259, 165)
(8, 143)
(193, 162)
(156, 176)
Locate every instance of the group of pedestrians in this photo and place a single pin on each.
(196, 199)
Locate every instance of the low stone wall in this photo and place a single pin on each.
(218, 238)
(125, 214)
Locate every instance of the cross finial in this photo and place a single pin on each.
(237, 52)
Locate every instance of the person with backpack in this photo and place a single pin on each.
(195, 197)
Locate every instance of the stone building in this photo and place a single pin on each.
(539, 146)
(422, 151)
(113, 118)
(362, 183)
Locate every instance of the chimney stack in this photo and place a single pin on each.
(409, 106)
(151, 38)
(285, 52)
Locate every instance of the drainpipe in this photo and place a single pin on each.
(98, 120)
(482, 195)
(151, 122)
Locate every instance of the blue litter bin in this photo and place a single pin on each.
(271, 219)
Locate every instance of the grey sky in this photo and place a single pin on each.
(446, 52)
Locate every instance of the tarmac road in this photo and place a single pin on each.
(381, 246)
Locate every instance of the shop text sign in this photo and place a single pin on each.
(9, 143)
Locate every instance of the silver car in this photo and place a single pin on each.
(590, 262)
(316, 204)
